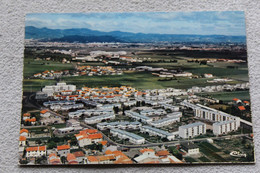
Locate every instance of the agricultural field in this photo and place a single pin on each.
(139, 80)
(229, 96)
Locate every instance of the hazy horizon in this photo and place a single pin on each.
(229, 23)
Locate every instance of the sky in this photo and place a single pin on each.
(199, 23)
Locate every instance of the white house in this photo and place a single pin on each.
(36, 151)
(190, 148)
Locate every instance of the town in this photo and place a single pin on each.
(136, 88)
(123, 125)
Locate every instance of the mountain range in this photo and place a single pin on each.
(85, 35)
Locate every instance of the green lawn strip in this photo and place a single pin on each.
(211, 154)
(204, 159)
(190, 160)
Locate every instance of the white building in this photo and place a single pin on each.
(164, 122)
(51, 89)
(36, 151)
(149, 112)
(133, 138)
(224, 127)
(72, 123)
(98, 119)
(190, 148)
(120, 125)
(207, 75)
(157, 132)
(211, 114)
(137, 116)
(192, 130)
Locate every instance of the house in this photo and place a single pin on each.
(53, 159)
(247, 103)
(71, 159)
(236, 100)
(22, 141)
(24, 132)
(88, 136)
(103, 159)
(31, 120)
(80, 156)
(241, 108)
(91, 160)
(207, 75)
(121, 158)
(36, 151)
(162, 153)
(26, 116)
(45, 113)
(147, 156)
(63, 150)
(190, 148)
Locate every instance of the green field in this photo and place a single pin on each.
(228, 96)
(32, 67)
(139, 80)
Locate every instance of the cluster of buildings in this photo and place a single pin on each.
(27, 118)
(222, 122)
(217, 88)
(51, 74)
(97, 70)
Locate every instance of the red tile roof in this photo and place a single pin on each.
(70, 157)
(24, 130)
(40, 148)
(235, 99)
(63, 147)
(242, 108)
(26, 114)
(92, 159)
(44, 111)
(146, 150)
(162, 153)
(79, 154)
(22, 138)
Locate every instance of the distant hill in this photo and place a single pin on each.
(87, 35)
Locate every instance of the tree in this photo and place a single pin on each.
(116, 109)
(41, 160)
(38, 141)
(51, 145)
(63, 159)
